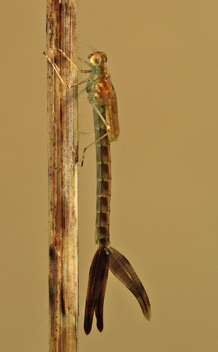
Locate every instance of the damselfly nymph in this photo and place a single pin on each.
(103, 98)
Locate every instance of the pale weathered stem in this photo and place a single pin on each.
(62, 157)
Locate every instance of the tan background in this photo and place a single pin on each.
(162, 56)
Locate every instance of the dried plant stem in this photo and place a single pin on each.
(62, 156)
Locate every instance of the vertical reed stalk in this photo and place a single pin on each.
(62, 171)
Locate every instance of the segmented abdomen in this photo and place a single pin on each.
(103, 160)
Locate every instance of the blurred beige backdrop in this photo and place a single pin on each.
(162, 56)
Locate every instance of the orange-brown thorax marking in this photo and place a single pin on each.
(103, 88)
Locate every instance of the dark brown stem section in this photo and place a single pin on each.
(62, 171)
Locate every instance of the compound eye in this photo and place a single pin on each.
(95, 60)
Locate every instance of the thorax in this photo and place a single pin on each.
(99, 86)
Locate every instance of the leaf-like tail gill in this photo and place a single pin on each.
(100, 302)
(96, 277)
(124, 272)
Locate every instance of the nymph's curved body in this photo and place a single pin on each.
(102, 95)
